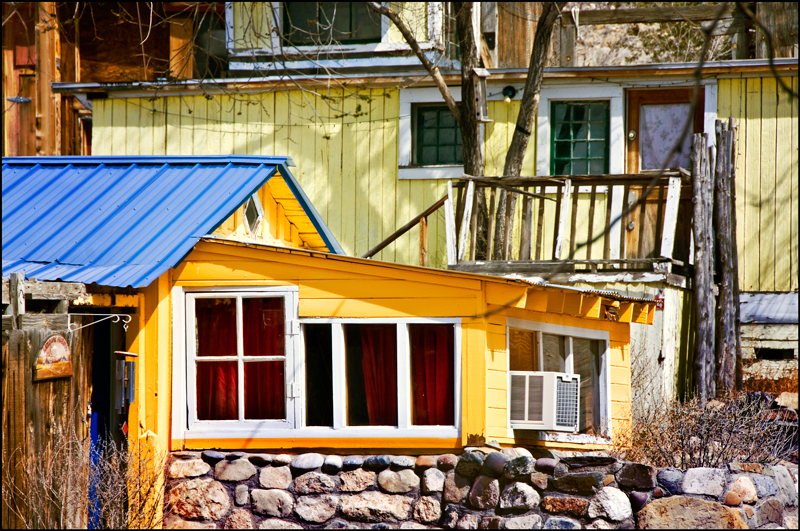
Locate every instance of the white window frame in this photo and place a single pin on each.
(185, 425)
(433, 42)
(409, 98)
(604, 377)
(289, 295)
(404, 427)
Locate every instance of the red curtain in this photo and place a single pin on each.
(217, 397)
(432, 373)
(264, 381)
(379, 363)
(217, 382)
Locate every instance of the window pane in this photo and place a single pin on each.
(597, 112)
(559, 112)
(217, 396)
(597, 167)
(446, 153)
(659, 127)
(522, 350)
(215, 326)
(429, 136)
(586, 361)
(447, 137)
(251, 213)
(579, 167)
(563, 150)
(597, 130)
(597, 150)
(264, 387)
(579, 131)
(579, 150)
(371, 379)
(428, 155)
(562, 168)
(432, 374)
(446, 118)
(365, 24)
(579, 113)
(553, 349)
(300, 22)
(563, 132)
(430, 118)
(263, 326)
(319, 374)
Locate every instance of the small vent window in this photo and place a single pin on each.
(253, 214)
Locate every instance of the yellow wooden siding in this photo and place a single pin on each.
(344, 146)
(766, 180)
(251, 25)
(415, 16)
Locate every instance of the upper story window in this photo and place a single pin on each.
(437, 136)
(316, 23)
(253, 214)
(580, 138)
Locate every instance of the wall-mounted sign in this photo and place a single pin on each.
(54, 360)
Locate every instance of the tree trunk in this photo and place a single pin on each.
(522, 133)
(470, 128)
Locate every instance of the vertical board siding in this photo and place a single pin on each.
(766, 180)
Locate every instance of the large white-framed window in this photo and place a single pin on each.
(301, 55)
(312, 377)
(536, 346)
(240, 358)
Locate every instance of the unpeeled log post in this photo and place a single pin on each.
(703, 269)
(726, 336)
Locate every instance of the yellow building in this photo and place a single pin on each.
(253, 330)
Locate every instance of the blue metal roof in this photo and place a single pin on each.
(123, 221)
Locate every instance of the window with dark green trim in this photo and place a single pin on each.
(310, 23)
(579, 141)
(437, 137)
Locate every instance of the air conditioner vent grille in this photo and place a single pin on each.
(566, 402)
(535, 397)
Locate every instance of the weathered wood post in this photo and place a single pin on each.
(703, 270)
(726, 323)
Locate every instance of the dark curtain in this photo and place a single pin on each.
(264, 381)
(379, 365)
(432, 374)
(217, 397)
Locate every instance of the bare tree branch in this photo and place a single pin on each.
(432, 69)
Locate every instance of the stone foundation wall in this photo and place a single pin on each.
(484, 488)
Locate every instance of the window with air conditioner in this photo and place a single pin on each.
(558, 378)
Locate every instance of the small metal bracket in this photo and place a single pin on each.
(115, 317)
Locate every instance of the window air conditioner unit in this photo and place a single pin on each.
(544, 400)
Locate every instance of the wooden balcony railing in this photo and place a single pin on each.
(572, 222)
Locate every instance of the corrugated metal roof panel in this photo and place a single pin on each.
(777, 308)
(122, 221)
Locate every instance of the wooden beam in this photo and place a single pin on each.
(670, 217)
(423, 242)
(537, 300)
(465, 221)
(53, 321)
(562, 221)
(450, 226)
(405, 228)
(649, 15)
(16, 297)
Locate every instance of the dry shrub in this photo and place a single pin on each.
(739, 428)
(51, 490)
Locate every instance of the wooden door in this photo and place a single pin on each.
(655, 121)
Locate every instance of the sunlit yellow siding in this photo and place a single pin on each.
(766, 180)
(344, 146)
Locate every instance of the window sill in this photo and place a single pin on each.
(430, 172)
(561, 437)
(381, 432)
